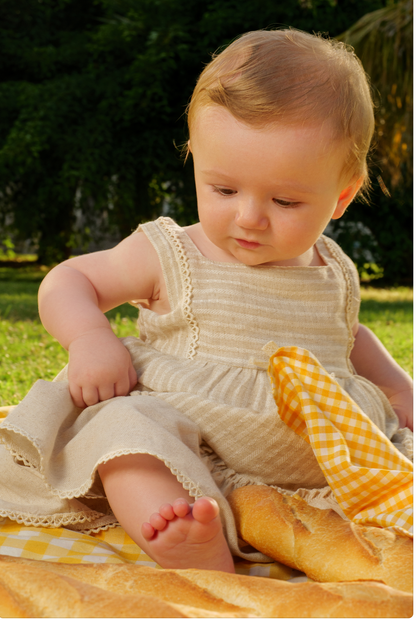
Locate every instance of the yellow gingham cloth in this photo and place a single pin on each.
(58, 544)
(370, 478)
(112, 546)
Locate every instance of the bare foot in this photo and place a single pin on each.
(184, 536)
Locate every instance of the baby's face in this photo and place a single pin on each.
(265, 195)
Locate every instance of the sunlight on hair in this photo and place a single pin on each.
(290, 77)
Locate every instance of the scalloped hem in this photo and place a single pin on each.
(76, 519)
(55, 520)
(81, 491)
(188, 484)
(102, 528)
(21, 456)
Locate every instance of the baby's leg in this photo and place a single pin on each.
(154, 509)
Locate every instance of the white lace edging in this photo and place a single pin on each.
(333, 249)
(80, 492)
(65, 519)
(188, 484)
(102, 528)
(186, 282)
(20, 456)
(54, 520)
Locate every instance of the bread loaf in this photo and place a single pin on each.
(31, 588)
(320, 543)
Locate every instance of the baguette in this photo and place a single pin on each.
(34, 588)
(320, 543)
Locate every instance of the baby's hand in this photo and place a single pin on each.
(100, 367)
(402, 404)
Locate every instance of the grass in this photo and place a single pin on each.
(28, 352)
(389, 313)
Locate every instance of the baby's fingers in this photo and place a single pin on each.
(76, 395)
(105, 392)
(90, 396)
(83, 397)
(125, 385)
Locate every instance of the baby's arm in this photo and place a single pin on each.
(372, 361)
(72, 300)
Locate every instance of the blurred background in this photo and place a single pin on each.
(92, 99)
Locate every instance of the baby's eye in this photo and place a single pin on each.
(224, 191)
(287, 204)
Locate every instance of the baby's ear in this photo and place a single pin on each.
(346, 197)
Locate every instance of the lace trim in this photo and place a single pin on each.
(188, 484)
(192, 488)
(336, 253)
(20, 456)
(102, 528)
(186, 282)
(82, 491)
(55, 520)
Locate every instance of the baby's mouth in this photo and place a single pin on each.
(248, 245)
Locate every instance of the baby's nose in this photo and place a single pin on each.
(251, 215)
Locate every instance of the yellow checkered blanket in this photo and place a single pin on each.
(112, 546)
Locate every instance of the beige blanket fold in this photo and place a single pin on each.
(33, 589)
(320, 543)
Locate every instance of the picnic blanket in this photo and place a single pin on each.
(112, 546)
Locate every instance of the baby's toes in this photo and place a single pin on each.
(167, 512)
(205, 509)
(148, 531)
(157, 521)
(181, 507)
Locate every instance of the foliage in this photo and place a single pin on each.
(93, 94)
(383, 40)
(380, 232)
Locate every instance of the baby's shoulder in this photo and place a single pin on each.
(136, 258)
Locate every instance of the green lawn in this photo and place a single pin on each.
(28, 353)
(389, 313)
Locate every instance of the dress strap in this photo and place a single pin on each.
(164, 235)
(352, 305)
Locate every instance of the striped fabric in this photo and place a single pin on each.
(370, 478)
(224, 312)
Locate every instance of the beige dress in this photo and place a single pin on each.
(204, 404)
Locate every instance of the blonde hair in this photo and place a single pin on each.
(291, 77)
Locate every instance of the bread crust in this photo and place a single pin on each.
(48, 589)
(320, 543)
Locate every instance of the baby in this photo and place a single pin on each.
(280, 124)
